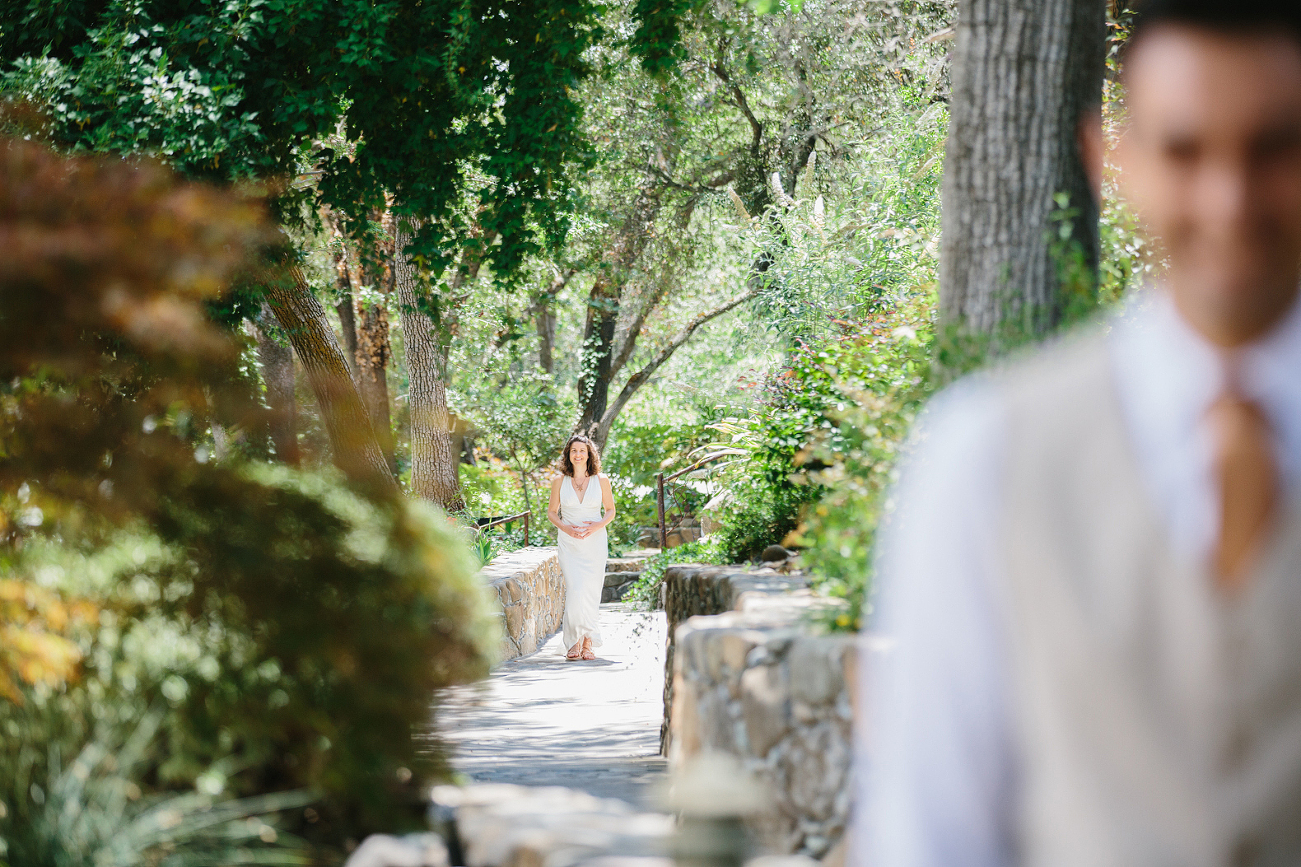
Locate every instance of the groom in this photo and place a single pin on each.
(1093, 581)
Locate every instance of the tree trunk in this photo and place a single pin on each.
(373, 354)
(300, 314)
(598, 349)
(601, 430)
(603, 308)
(343, 279)
(277, 362)
(434, 465)
(348, 325)
(1024, 73)
(544, 319)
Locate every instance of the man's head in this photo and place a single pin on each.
(1211, 156)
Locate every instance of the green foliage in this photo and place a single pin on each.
(883, 372)
(91, 812)
(291, 627)
(462, 112)
(815, 465)
(525, 425)
(837, 257)
(762, 497)
(658, 37)
(636, 453)
(849, 276)
(646, 592)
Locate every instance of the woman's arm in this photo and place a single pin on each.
(553, 508)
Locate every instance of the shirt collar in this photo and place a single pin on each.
(1180, 373)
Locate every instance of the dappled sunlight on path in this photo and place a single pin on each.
(544, 720)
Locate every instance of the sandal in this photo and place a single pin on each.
(575, 652)
(587, 649)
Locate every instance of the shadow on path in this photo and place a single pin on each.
(543, 720)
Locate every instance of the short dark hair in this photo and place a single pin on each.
(1265, 17)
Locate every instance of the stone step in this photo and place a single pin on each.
(614, 579)
(615, 594)
(632, 563)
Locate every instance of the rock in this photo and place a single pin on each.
(774, 554)
(413, 850)
(816, 678)
(633, 562)
(512, 589)
(764, 708)
(615, 593)
(515, 621)
(530, 590)
(522, 826)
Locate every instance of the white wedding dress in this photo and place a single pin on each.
(583, 562)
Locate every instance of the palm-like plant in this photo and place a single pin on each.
(92, 813)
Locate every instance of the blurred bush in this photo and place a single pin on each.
(813, 468)
(287, 628)
(880, 374)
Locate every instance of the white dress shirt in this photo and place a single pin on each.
(937, 756)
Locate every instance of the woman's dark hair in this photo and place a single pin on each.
(593, 456)
(1264, 17)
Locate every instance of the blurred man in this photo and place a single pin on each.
(1093, 580)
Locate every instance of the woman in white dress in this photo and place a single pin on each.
(578, 496)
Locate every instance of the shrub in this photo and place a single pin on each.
(646, 592)
(289, 628)
(636, 453)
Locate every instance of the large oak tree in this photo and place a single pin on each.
(457, 113)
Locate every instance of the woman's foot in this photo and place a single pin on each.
(587, 649)
(576, 651)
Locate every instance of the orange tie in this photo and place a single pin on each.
(1248, 483)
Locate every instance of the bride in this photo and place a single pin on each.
(578, 495)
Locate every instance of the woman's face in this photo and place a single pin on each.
(578, 455)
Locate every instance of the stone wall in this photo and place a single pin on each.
(690, 590)
(756, 682)
(530, 588)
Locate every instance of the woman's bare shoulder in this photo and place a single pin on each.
(555, 480)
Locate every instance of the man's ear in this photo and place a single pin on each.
(1088, 138)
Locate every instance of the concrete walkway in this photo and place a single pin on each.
(542, 720)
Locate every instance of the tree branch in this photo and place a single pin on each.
(638, 379)
(661, 289)
(720, 71)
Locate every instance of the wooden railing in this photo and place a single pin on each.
(661, 480)
(488, 523)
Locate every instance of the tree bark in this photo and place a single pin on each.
(300, 314)
(277, 361)
(1024, 73)
(348, 325)
(343, 280)
(371, 359)
(434, 465)
(603, 305)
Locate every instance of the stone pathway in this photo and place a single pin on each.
(542, 720)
